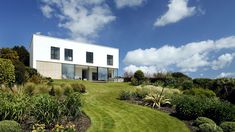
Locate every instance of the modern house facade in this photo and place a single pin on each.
(64, 59)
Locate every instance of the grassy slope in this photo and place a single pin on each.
(107, 113)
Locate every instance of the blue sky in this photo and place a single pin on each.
(196, 37)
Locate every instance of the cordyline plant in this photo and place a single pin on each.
(156, 100)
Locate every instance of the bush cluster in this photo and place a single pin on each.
(228, 126)
(78, 87)
(7, 75)
(204, 124)
(9, 126)
(190, 107)
(200, 92)
(42, 108)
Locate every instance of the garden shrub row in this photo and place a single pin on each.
(190, 107)
(41, 108)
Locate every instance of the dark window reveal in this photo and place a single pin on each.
(68, 54)
(89, 57)
(55, 53)
(109, 60)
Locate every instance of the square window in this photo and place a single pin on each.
(55, 53)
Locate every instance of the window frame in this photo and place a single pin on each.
(89, 60)
(109, 62)
(65, 58)
(53, 53)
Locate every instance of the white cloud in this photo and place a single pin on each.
(83, 19)
(222, 61)
(47, 11)
(147, 70)
(128, 3)
(188, 58)
(177, 10)
(226, 74)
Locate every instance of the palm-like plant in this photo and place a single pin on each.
(156, 100)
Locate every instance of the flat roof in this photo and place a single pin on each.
(74, 41)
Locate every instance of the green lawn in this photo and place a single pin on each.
(107, 113)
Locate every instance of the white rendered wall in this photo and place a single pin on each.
(41, 51)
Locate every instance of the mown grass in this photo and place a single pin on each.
(107, 113)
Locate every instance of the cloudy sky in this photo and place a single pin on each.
(196, 37)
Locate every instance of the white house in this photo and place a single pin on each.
(64, 59)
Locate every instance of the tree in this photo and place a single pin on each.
(23, 54)
(7, 53)
(7, 75)
(20, 71)
(139, 76)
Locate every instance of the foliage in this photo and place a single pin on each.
(7, 53)
(23, 54)
(140, 93)
(209, 127)
(42, 89)
(228, 126)
(124, 95)
(46, 109)
(191, 107)
(70, 127)
(7, 75)
(204, 83)
(58, 90)
(139, 76)
(221, 111)
(202, 120)
(225, 88)
(9, 126)
(29, 88)
(67, 89)
(13, 107)
(20, 72)
(187, 84)
(200, 92)
(134, 81)
(180, 75)
(78, 87)
(38, 128)
(156, 100)
(73, 105)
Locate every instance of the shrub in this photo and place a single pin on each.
(9, 126)
(140, 93)
(200, 92)
(20, 71)
(191, 107)
(204, 83)
(36, 79)
(78, 87)
(67, 89)
(134, 81)
(13, 107)
(228, 126)
(221, 111)
(58, 91)
(156, 100)
(209, 127)
(202, 120)
(124, 95)
(187, 84)
(29, 88)
(73, 105)
(139, 76)
(42, 89)
(7, 75)
(46, 109)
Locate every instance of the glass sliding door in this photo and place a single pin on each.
(68, 71)
(102, 73)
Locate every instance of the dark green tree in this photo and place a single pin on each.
(7, 53)
(23, 54)
(139, 76)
